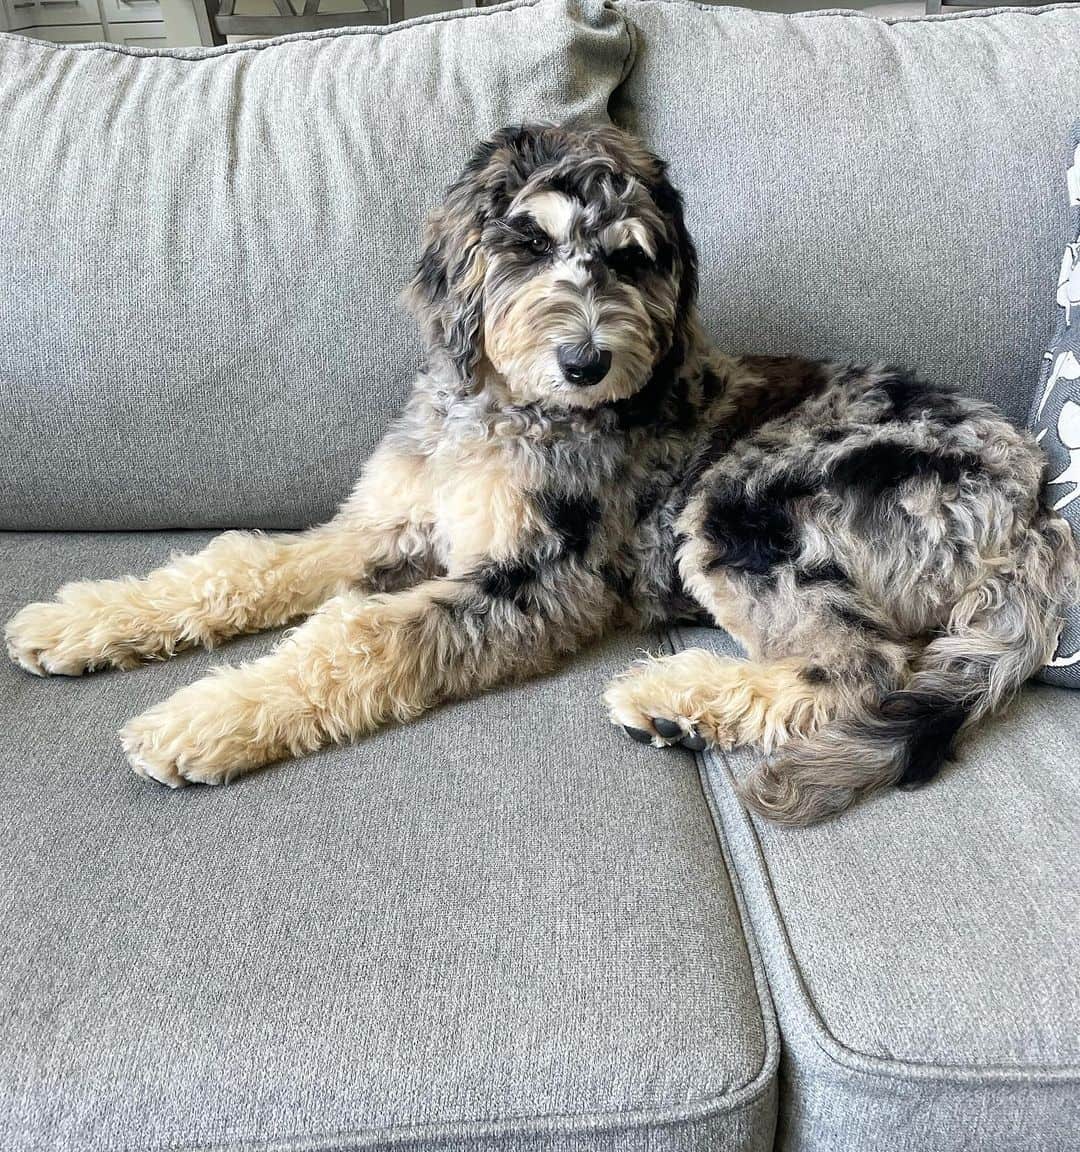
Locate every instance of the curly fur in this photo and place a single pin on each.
(875, 542)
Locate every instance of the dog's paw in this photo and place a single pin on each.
(207, 733)
(88, 626)
(151, 751)
(50, 639)
(656, 703)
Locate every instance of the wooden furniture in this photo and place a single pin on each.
(936, 7)
(218, 19)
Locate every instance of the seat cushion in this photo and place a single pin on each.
(868, 188)
(922, 949)
(202, 251)
(501, 927)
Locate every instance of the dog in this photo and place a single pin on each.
(576, 456)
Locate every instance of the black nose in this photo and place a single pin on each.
(584, 364)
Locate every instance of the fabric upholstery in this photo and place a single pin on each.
(866, 188)
(922, 949)
(501, 927)
(202, 250)
(1055, 412)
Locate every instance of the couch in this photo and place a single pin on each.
(503, 927)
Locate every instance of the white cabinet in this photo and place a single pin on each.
(130, 11)
(137, 22)
(24, 14)
(149, 34)
(66, 33)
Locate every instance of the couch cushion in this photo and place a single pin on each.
(503, 926)
(201, 251)
(922, 949)
(868, 188)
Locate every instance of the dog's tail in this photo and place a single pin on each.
(1001, 631)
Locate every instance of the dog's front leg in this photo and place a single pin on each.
(364, 661)
(241, 582)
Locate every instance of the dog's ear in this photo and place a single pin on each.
(649, 170)
(684, 255)
(446, 293)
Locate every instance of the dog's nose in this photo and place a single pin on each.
(584, 364)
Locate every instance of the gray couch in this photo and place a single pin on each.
(504, 927)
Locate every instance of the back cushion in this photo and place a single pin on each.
(864, 188)
(202, 250)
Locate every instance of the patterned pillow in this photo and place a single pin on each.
(1055, 416)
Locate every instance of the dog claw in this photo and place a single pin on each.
(638, 734)
(668, 729)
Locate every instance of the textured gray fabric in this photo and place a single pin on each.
(201, 252)
(502, 927)
(867, 188)
(1055, 412)
(923, 949)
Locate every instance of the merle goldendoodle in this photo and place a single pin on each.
(576, 456)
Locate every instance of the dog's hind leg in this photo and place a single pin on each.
(242, 582)
(697, 698)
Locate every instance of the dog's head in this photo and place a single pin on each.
(559, 261)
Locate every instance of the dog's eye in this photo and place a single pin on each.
(538, 242)
(628, 261)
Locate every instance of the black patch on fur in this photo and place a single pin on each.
(572, 518)
(649, 405)
(647, 500)
(827, 573)
(704, 458)
(911, 398)
(927, 723)
(815, 674)
(629, 262)
(685, 412)
(711, 385)
(507, 581)
(753, 533)
(565, 185)
(875, 468)
(668, 200)
(618, 580)
(851, 616)
(430, 278)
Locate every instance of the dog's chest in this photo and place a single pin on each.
(481, 502)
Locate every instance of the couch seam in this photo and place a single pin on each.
(541, 1126)
(925, 18)
(757, 964)
(766, 1006)
(842, 1054)
(631, 33)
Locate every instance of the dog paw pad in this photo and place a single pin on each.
(638, 734)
